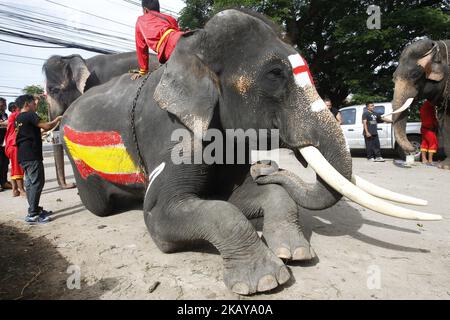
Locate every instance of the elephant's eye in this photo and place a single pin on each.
(275, 74)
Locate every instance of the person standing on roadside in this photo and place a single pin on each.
(29, 153)
(370, 120)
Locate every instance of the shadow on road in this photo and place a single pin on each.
(32, 268)
(344, 220)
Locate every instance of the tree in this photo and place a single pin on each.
(344, 55)
(42, 109)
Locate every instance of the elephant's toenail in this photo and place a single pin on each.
(266, 283)
(283, 275)
(301, 254)
(283, 253)
(241, 288)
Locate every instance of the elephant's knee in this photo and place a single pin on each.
(277, 197)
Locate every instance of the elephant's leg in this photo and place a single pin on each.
(281, 230)
(249, 266)
(58, 155)
(446, 142)
(93, 194)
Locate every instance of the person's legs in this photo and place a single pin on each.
(376, 147)
(369, 148)
(34, 182)
(15, 188)
(430, 157)
(432, 145)
(4, 163)
(424, 156)
(21, 188)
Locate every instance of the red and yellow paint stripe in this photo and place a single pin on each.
(103, 154)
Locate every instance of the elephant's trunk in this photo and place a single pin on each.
(403, 91)
(327, 136)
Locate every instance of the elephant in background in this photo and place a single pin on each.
(236, 73)
(68, 77)
(423, 73)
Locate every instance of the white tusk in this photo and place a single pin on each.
(405, 106)
(386, 194)
(329, 174)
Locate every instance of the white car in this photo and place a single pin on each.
(352, 127)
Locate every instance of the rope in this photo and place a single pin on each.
(133, 130)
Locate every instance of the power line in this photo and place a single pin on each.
(16, 55)
(32, 64)
(66, 44)
(10, 87)
(58, 18)
(30, 45)
(19, 20)
(84, 12)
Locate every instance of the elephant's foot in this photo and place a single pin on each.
(289, 243)
(256, 273)
(67, 186)
(444, 164)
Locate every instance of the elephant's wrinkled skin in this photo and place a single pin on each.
(234, 73)
(423, 73)
(68, 77)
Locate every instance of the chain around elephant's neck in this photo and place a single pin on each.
(133, 130)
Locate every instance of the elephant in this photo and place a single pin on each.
(423, 73)
(237, 73)
(68, 77)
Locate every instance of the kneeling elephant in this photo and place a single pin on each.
(236, 73)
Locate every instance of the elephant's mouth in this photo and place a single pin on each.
(357, 190)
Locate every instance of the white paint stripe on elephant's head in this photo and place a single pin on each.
(301, 71)
(303, 79)
(155, 173)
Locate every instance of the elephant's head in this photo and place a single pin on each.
(238, 73)
(239, 69)
(422, 72)
(66, 79)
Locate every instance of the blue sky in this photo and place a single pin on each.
(114, 17)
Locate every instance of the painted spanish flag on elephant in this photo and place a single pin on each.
(103, 154)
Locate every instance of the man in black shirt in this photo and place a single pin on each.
(29, 154)
(4, 161)
(370, 120)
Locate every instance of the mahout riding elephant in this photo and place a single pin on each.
(423, 73)
(236, 73)
(68, 77)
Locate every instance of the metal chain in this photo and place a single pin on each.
(133, 129)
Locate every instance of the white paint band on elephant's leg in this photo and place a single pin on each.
(154, 174)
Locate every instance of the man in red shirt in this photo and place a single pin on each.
(156, 31)
(428, 131)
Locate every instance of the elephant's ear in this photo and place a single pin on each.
(80, 72)
(433, 70)
(189, 90)
(437, 72)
